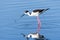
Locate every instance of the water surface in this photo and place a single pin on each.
(11, 10)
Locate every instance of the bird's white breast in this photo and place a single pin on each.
(34, 13)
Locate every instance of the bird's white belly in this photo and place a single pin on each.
(35, 14)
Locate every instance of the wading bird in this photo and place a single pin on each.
(36, 13)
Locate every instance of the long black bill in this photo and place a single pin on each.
(22, 15)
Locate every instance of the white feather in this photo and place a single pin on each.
(32, 14)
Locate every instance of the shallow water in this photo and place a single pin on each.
(11, 10)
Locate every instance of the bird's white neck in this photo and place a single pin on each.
(28, 13)
(32, 14)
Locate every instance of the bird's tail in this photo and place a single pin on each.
(46, 9)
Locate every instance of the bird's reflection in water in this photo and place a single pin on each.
(35, 36)
(41, 37)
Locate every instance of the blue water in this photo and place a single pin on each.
(11, 10)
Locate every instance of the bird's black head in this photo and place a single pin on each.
(26, 11)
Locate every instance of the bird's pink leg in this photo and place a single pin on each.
(39, 24)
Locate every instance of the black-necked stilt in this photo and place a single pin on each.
(36, 13)
(35, 36)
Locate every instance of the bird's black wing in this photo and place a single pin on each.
(38, 10)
